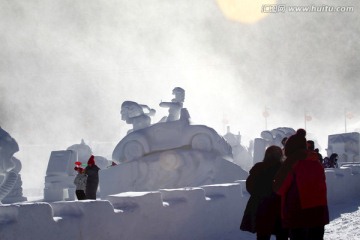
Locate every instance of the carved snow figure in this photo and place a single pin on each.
(16, 194)
(169, 135)
(133, 113)
(175, 105)
(8, 174)
(169, 154)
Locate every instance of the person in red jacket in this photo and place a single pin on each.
(301, 184)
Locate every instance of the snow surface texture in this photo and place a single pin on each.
(169, 169)
(208, 212)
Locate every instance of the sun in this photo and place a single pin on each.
(245, 11)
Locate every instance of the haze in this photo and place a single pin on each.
(66, 67)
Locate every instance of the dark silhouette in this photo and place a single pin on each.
(311, 146)
(319, 155)
(93, 178)
(326, 162)
(262, 212)
(301, 184)
(333, 160)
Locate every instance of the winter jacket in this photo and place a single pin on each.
(92, 181)
(80, 181)
(301, 184)
(262, 211)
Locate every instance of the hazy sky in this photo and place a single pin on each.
(67, 66)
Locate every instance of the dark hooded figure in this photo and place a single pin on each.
(262, 212)
(92, 183)
(301, 184)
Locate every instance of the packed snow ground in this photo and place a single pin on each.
(345, 222)
(344, 225)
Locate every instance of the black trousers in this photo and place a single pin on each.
(315, 233)
(281, 235)
(80, 194)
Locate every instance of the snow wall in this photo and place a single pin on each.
(206, 212)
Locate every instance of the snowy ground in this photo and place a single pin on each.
(344, 225)
(345, 222)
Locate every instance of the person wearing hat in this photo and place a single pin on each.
(92, 182)
(301, 184)
(80, 183)
(262, 212)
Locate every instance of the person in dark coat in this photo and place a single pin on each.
(92, 183)
(262, 212)
(301, 184)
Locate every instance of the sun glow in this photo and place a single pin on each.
(245, 11)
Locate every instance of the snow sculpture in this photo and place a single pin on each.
(8, 173)
(346, 145)
(133, 113)
(269, 138)
(241, 155)
(170, 154)
(16, 194)
(169, 135)
(60, 175)
(84, 152)
(175, 105)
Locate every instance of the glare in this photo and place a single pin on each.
(245, 11)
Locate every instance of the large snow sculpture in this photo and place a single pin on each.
(169, 135)
(170, 154)
(133, 113)
(8, 173)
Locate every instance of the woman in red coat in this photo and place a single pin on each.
(301, 184)
(262, 212)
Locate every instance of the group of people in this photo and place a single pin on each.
(327, 162)
(87, 180)
(287, 193)
(331, 162)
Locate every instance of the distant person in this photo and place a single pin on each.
(321, 159)
(301, 184)
(92, 183)
(326, 162)
(80, 183)
(311, 147)
(333, 161)
(262, 212)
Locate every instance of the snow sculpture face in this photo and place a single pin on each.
(8, 146)
(130, 110)
(179, 94)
